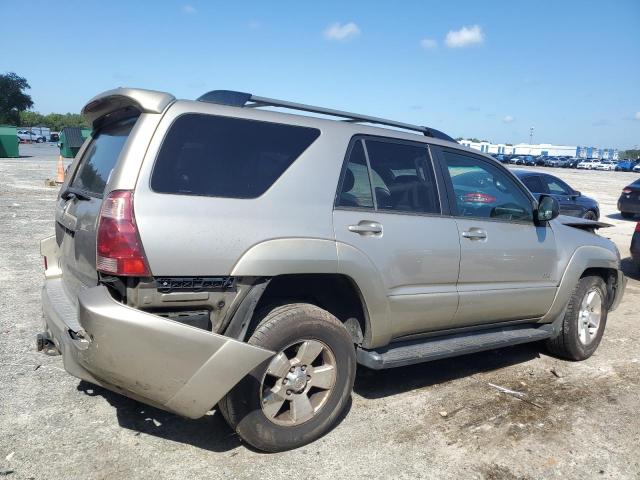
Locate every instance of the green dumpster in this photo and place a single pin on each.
(71, 139)
(8, 141)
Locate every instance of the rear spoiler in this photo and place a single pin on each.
(582, 222)
(145, 101)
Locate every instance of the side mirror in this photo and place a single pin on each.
(548, 209)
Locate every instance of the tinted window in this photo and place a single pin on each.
(483, 190)
(226, 157)
(556, 186)
(402, 176)
(534, 184)
(100, 157)
(356, 187)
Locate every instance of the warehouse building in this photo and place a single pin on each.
(543, 149)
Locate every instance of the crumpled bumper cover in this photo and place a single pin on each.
(157, 361)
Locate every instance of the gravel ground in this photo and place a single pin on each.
(438, 420)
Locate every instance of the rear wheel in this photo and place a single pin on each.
(296, 396)
(584, 321)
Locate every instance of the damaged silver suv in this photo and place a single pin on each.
(222, 252)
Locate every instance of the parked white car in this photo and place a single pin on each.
(28, 135)
(636, 168)
(589, 164)
(606, 165)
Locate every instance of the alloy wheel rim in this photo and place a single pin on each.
(298, 382)
(589, 316)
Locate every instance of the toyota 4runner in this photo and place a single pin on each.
(221, 252)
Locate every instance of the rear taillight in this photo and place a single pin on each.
(118, 246)
(638, 227)
(477, 197)
(626, 190)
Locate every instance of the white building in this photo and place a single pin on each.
(543, 149)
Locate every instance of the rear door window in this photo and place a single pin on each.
(101, 156)
(226, 157)
(355, 190)
(403, 178)
(534, 184)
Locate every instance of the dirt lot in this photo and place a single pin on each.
(580, 422)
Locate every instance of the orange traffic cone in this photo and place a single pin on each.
(60, 170)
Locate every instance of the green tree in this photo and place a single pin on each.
(13, 100)
(55, 121)
(31, 119)
(633, 154)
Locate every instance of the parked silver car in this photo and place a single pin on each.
(214, 252)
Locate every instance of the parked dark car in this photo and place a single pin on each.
(573, 163)
(635, 246)
(626, 165)
(54, 137)
(571, 201)
(541, 161)
(629, 201)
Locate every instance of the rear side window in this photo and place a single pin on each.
(404, 180)
(356, 186)
(226, 157)
(101, 156)
(534, 184)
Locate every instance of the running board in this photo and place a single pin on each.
(434, 348)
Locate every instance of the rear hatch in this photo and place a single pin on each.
(78, 207)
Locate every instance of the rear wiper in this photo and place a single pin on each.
(70, 192)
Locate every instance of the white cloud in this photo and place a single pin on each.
(189, 9)
(428, 43)
(508, 119)
(340, 32)
(637, 116)
(464, 37)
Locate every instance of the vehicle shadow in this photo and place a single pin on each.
(617, 216)
(630, 269)
(210, 432)
(373, 384)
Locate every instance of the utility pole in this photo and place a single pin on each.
(531, 136)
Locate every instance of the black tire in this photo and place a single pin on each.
(283, 326)
(627, 214)
(567, 344)
(590, 215)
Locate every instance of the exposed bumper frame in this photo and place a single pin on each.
(152, 359)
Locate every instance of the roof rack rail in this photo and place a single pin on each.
(242, 99)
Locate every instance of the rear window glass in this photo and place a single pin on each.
(226, 157)
(101, 156)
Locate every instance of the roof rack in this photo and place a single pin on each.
(241, 99)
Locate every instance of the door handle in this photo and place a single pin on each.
(366, 228)
(475, 234)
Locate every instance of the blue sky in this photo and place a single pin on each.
(486, 69)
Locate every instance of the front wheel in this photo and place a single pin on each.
(295, 397)
(584, 321)
(590, 215)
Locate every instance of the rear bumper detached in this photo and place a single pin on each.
(151, 359)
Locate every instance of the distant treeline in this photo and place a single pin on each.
(55, 121)
(629, 154)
